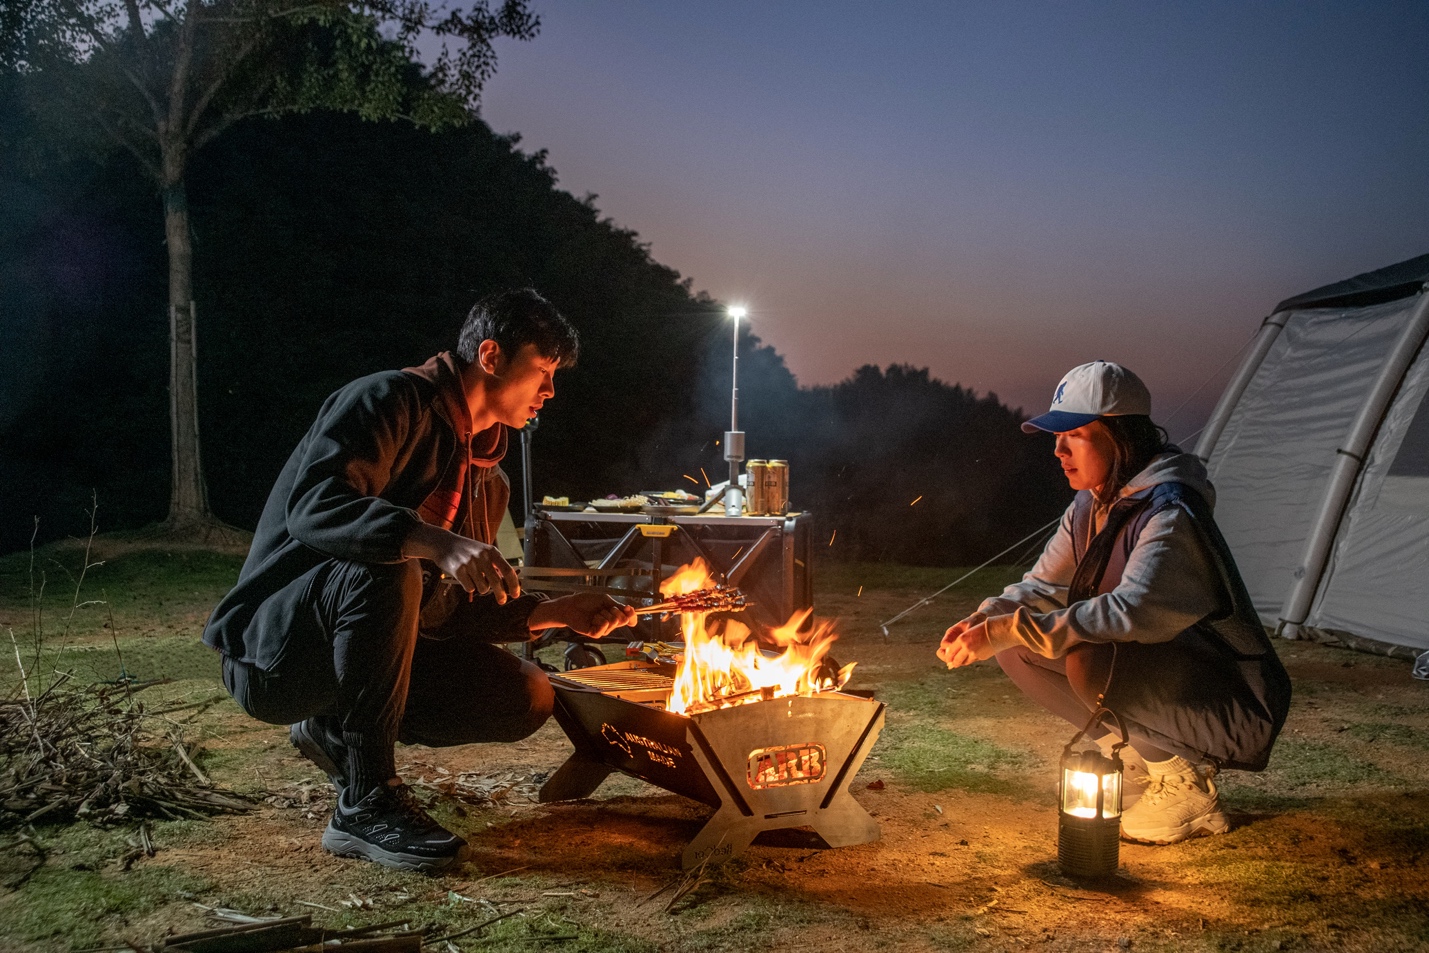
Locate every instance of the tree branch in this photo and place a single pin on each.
(183, 61)
(206, 97)
(279, 15)
(117, 135)
(88, 25)
(163, 8)
(201, 138)
(136, 22)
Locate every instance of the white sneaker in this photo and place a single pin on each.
(1180, 802)
(1133, 771)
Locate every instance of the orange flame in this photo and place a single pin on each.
(726, 666)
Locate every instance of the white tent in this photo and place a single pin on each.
(1319, 451)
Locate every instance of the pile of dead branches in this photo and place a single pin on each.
(95, 753)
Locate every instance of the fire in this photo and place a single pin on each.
(726, 667)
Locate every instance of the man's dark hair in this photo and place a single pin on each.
(514, 319)
(1136, 441)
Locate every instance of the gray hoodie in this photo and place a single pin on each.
(1169, 582)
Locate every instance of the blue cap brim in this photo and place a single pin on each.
(1058, 421)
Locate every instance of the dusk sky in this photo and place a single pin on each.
(996, 191)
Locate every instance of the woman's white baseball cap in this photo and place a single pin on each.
(1089, 392)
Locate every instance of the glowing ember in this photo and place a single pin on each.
(726, 667)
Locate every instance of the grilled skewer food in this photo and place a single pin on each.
(713, 599)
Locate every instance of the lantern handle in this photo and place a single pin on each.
(1101, 713)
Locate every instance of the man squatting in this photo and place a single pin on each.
(339, 625)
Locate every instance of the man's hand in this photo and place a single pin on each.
(477, 567)
(592, 614)
(966, 642)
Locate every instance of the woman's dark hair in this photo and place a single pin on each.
(514, 319)
(1136, 440)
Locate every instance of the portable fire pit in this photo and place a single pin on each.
(764, 765)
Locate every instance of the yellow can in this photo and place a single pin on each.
(754, 477)
(776, 488)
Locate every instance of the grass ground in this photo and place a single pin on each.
(1330, 849)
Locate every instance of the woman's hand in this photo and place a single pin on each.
(592, 614)
(966, 642)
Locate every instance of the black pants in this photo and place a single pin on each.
(352, 656)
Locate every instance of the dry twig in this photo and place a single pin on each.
(476, 788)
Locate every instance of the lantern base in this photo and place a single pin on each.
(1088, 846)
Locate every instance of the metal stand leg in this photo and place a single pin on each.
(845, 823)
(724, 836)
(577, 778)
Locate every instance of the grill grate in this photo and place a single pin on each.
(628, 680)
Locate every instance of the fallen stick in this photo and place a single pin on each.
(469, 930)
(184, 755)
(502, 874)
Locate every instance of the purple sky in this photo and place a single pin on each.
(996, 191)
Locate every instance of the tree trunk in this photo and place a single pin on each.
(188, 500)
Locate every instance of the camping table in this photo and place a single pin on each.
(628, 554)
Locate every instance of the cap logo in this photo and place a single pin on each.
(1061, 388)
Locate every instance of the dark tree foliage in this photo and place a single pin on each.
(332, 247)
(909, 469)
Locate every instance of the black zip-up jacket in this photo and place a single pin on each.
(386, 452)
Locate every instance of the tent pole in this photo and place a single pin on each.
(1349, 462)
(1270, 329)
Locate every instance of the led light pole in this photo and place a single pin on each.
(734, 437)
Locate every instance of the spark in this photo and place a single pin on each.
(705, 475)
(736, 554)
(831, 538)
(690, 478)
(920, 496)
(860, 593)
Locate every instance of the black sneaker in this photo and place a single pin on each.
(323, 748)
(391, 828)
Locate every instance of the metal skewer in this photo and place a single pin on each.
(716, 599)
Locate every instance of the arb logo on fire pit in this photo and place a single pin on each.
(786, 764)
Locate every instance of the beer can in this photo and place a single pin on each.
(776, 488)
(754, 477)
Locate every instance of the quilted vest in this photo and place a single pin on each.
(1231, 638)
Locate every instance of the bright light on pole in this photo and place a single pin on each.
(736, 312)
(734, 439)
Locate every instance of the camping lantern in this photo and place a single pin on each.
(1089, 806)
